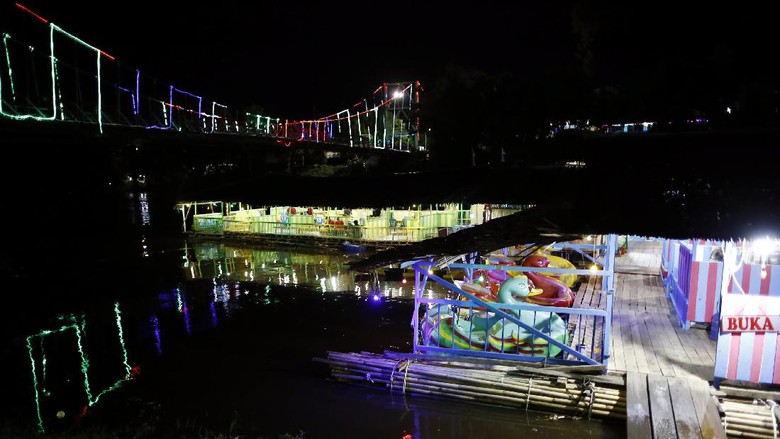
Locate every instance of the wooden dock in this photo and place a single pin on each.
(662, 373)
(670, 407)
(668, 369)
(647, 338)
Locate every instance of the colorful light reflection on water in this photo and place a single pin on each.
(204, 332)
(322, 271)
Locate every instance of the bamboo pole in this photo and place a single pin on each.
(749, 422)
(538, 386)
(751, 434)
(491, 380)
(748, 419)
(570, 383)
(479, 384)
(530, 401)
(541, 396)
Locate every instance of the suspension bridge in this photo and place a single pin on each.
(51, 75)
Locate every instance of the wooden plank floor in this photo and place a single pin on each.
(647, 338)
(659, 407)
(668, 369)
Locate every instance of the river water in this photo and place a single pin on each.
(115, 322)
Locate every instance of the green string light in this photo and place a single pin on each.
(165, 114)
(43, 368)
(121, 337)
(79, 328)
(54, 99)
(52, 60)
(308, 128)
(84, 360)
(97, 67)
(35, 384)
(6, 37)
(59, 90)
(122, 346)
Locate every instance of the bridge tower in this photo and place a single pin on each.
(401, 124)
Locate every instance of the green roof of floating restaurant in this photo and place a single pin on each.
(712, 185)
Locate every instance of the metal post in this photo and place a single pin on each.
(608, 280)
(607, 337)
(183, 220)
(416, 313)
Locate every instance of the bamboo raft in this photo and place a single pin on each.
(484, 381)
(751, 419)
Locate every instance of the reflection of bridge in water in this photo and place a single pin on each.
(52, 75)
(70, 368)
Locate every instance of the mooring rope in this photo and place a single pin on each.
(406, 374)
(528, 395)
(392, 374)
(592, 390)
(589, 390)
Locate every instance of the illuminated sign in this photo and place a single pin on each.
(750, 323)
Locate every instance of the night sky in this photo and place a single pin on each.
(300, 60)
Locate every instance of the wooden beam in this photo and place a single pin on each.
(662, 417)
(685, 418)
(638, 424)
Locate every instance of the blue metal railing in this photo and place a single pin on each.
(679, 286)
(475, 327)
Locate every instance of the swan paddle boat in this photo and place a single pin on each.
(477, 328)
